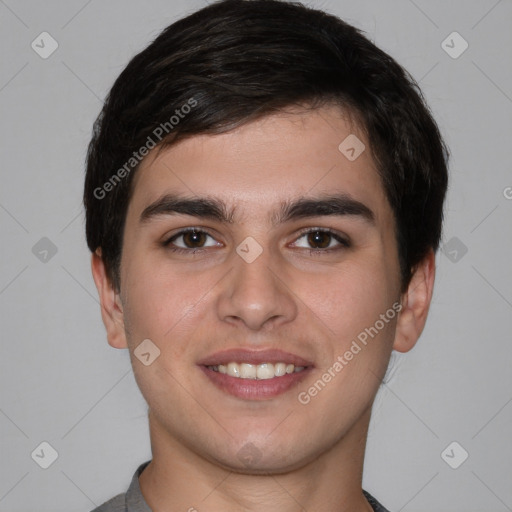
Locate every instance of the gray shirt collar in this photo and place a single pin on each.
(135, 502)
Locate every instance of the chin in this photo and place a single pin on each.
(252, 458)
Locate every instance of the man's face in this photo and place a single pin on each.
(274, 285)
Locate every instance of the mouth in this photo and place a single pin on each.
(255, 375)
(262, 371)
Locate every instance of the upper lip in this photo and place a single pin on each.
(240, 355)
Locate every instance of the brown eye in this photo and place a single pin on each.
(191, 241)
(194, 239)
(319, 239)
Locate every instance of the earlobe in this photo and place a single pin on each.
(415, 305)
(111, 307)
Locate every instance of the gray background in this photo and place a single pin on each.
(62, 383)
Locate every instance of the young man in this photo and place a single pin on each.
(264, 198)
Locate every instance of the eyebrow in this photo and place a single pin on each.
(301, 208)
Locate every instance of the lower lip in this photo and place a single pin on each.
(255, 389)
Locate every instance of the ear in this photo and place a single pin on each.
(111, 307)
(415, 304)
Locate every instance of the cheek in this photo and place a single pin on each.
(348, 300)
(165, 303)
(158, 307)
(154, 299)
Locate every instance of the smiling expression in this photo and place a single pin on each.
(247, 253)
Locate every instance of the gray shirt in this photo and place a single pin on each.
(133, 501)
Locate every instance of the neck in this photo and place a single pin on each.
(180, 479)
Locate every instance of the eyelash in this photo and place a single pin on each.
(344, 243)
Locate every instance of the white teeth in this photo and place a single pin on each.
(233, 370)
(248, 371)
(280, 369)
(265, 371)
(256, 371)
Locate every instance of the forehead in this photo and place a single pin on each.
(265, 162)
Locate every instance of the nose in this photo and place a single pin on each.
(256, 294)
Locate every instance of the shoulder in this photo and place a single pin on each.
(131, 500)
(377, 507)
(115, 504)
